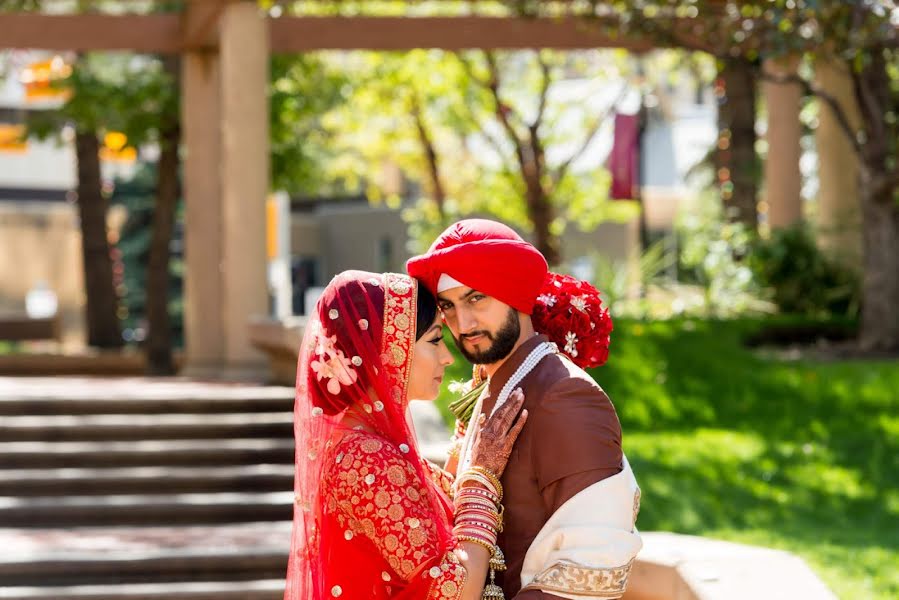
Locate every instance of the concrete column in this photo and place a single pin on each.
(783, 181)
(244, 52)
(204, 326)
(839, 209)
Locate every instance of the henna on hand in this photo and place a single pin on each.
(495, 436)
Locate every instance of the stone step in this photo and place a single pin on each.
(54, 455)
(109, 427)
(146, 480)
(145, 509)
(136, 395)
(88, 556)
(19, 405)
(269, 589)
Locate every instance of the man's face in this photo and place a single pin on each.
(485, 329)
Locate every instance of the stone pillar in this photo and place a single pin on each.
(226, 181)
(244, 52)
(783, 181)
(204, 327)
(839, 209)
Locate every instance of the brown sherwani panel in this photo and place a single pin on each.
(572, 439)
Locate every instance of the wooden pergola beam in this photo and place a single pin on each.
(85, 32)
(302, 34)
(169, 33)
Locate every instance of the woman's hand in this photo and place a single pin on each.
(495, 437)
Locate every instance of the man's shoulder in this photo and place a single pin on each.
(558, 375)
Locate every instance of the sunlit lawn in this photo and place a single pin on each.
(802, 456)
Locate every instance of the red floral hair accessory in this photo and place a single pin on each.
(570, 312)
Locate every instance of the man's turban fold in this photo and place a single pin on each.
(486, 256)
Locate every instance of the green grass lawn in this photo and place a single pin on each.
(802, 456)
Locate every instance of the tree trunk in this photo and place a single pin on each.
(158, 344)
(540, 209)
(880, 283)
(737, 163)
(880, 210)
(102, 303)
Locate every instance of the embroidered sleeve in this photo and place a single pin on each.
(442, 478)
(373, 491)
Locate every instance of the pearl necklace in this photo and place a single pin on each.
(537, 354)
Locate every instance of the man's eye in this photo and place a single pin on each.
(477, 298)
(446, 307)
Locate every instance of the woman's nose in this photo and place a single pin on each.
(447, 359)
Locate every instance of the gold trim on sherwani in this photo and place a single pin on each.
(587, 547)
(571, 578)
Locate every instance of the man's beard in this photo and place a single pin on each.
(503, 342)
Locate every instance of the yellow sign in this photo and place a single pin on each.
(116, 149)
(271, 228)
(12, 138)
(39, 78)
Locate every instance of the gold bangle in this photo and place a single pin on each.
(482, 483)
(491, 476)
(491, 548)
(464, 492)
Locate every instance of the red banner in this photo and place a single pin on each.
(624, 159)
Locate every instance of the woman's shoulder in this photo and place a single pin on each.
(367, 454)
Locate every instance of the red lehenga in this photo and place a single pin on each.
(370, 520)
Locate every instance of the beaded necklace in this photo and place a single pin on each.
(536, 355)
(533, 358)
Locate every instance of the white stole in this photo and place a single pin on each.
(587, 547)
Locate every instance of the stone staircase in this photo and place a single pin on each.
(140, 489)
(132, 488)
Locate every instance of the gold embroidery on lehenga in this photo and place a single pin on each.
(449, 579)
(572, 578)
(404, 532)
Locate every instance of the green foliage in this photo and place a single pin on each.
(725, 443)
(402, 103)
(802, 278)
(303, 88)
(112, 92)
(713, 254)
(137, 195)
(618, 281)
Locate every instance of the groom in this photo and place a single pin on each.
(571, 500)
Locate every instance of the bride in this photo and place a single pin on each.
(372, 519)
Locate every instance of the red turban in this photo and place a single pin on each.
(486, 256)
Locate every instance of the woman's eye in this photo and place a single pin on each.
(436, 340)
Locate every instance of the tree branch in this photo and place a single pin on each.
(562, 169)
(430, 153)
(544, 90)
(811, 90)
(501, 111)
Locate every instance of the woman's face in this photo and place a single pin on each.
(430, 357)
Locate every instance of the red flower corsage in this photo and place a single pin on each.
(570, 312)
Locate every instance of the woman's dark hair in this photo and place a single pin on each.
(425, 312)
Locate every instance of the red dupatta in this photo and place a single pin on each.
(355, 359)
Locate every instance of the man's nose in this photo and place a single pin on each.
(466, 321)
